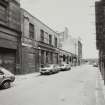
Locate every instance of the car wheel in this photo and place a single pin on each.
(51, 72)
(41, 73)
(6, 85)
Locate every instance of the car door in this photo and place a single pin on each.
(1, 76)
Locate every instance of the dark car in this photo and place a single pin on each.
(6, 78)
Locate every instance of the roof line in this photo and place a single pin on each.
(39, 20)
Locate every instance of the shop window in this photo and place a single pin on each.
(31, 30)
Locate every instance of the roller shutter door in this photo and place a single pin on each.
(8, 60)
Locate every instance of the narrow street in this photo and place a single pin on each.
(79, 86)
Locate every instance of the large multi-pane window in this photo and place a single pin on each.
(42, 35)
(55, 41)
(50, 39)
(3, 13)
(31, 30)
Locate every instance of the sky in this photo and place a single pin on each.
(77, 15)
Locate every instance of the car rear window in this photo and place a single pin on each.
(3, 70)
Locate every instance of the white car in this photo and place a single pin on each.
(6, 78)
(65, 66)
(49, 69)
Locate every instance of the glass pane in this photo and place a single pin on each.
(2, 13)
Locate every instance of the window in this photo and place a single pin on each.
(46, 35)
(31, 31)
(55, 42)
(42, 35)
(50, 39)
(3, 13)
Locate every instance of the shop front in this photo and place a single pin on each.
(47, 55)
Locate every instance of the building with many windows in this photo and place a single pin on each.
(10, 33)
(39, 43)
(26, 43)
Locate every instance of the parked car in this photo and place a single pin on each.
(6, 78)
(49, 69)
(95, 65)
(65, 66)
(58, 67)
(68, 66)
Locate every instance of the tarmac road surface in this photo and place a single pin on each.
(79, 86)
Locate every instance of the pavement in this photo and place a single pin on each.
(27, 76)
(82, 85)
(100, 88)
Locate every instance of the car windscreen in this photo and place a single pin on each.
(1, 72)
(5, 71)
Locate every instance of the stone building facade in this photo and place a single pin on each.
(26, 43)
(39, 43)
(10, 33)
